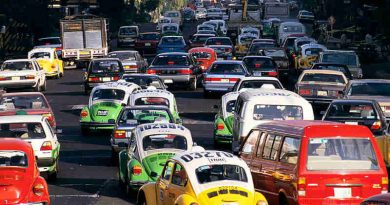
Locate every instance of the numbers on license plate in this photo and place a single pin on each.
(106, 79)
(342, 193)
(224, 80)
(15, 78)
(102, 112)
(322, 93)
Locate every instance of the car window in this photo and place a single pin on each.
(290, 150)
(144, 81)
(17, 66)
(123, 55)
(340, 58)
(259, 64)
(322, 77)
(219, 41)
(220, 51)
(277, 112)
(24, 102)
(13, 158)
(260, 144)
(141, 116)
(313, 51)
(275, 53)
(152, 101)
(171, 60)
(164, 141)
(201, 55)
(259, 84)
(250, 143)
(333, 67)
(149, 36)
(220, 172)
(170, 28)
(168, 171)
(351, 110)
(230, 106)
(231, 69)
(40, 55)
(292, 29)
(382, 89)
(128, 31)
(199, 39)
(31, 130)
(179, 176)
(106, 66)
(172, 41)
(172, 14)
(271, 147)
(108, 94)
(341, 154)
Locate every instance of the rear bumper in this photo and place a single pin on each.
(218, 87)
(326, 201)
(320, 101)
(171, 79)
(19, 84)
(97, 125)
(116, 142)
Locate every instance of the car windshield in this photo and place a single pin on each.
(275, 53)
(292, 29)
(17, 66)
(223, 69)
(40, 55)
(172, 14)
(352, 110)
(149, 36)
(108, 94)
(24, 102)
(333, 67)
(313, 51)
(164, 141)
(142, 116)
(145, 81)
(277, 112)
(382, 89)
(200, 39)
(322, 77)
(218, 41)
(259, 64)
(171, 60)
(230, 106)
(128, 31)
(29, 130)
(106, 66)
(49, 41)
(123, 55)
(201, 55)
(11, 158)
(259, 84)
(259, 47)
(307, 13)
(205, 28)
(152, 101)
(247, 39)
(222, 50)
(169, 28)
(220, 172)
(340, 58)
(253, 32)
(172, 41)
(353, 154)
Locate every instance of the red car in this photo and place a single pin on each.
(147, 43)
(33, 103)
(20, 182)
(204, 56)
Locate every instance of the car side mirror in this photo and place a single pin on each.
(111, 121)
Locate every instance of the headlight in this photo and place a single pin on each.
(261, 202)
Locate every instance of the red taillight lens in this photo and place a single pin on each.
(46, 146)
(377, 125)
(220, 126)
(115, 78)
(301, 186)
(273, 73)
(39, 189)
(151, 71)
(137, 170)
(84, 113)
(3, 78)
(188, 71)
(30, 77)
(233, 80)
(58, 48)
(304, 92)
(93, 79)
(119, 134)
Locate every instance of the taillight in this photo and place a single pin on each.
(115, 78)
(273, 73)
(233, 80)
(187, 71)
(119, 134)
(49, 118)
(377, 125)
(84, 113)
(385, 184)
(301, 186)
(137, 170)
(3, 78)
(58, 48)
(220, 126)
(46, 146)
(39, 189)
(30, 77)
(93, 79)
(305, 92)
(151, 71)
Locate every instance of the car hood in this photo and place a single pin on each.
(15, 184)
(103, 111)
(155, 163)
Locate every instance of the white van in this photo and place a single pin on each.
(258, 106)
(289, 28)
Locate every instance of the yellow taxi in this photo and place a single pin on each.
(202, 178)
(47, 58)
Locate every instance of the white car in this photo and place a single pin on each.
(214, 13)
(200, 13)
(22, 73)
(175, 17)
(36, 130)
(256, 82)
(161, 21)
(221, 25)
(289, 28)
(304, 15)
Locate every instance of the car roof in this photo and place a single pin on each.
(204, 34)
(272, 94)
(345, 101)
(219, 46)
(42, 49)
(121, 85)
(259, 78)
(312, 45)
(288, 23)
(124, 51)
(172, 54)
(331, 64)
(178, 129)
(339, 51)
(201, 49)
(140, 75)
(172, 37)
(322, 71)
(21, 119)
(265, 57)
(18, 60)
(22, 94)
(15, 144)
(105, 59)
(152, 93)
(149, 107)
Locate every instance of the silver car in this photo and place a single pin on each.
(222, 75)
(132, 61)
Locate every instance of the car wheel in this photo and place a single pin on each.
(53, 175)
(114, 157)
(85, 131)
(193, 84)
(141, 200)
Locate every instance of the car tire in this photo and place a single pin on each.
(141, 199)
(53, 175)
(43, 88)
(193, 84)
(86, 91)
(85, 131)
(114, 157)
(206, 94)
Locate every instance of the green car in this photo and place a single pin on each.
(105, 103)
(270, 27)
(156, 97)
(224, 119)
(150, 146)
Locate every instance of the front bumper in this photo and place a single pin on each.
(97, 125)
(171, 79)
(52, 73)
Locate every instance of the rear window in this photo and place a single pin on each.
(17, 66)
(137, 117)
(214, 173)
(171, 60)
(340, 58)
(313, 51)
(31, 130)
(322, 77)
(259, 84)
(128, 31)
(106, 67)
(108, 94)
(247, 39)
(277, 112)
(352, 154)
(259, 64)
(149, 36)
(164, 141)
(207, 28)
(219, 41)
(222, 50)
(172, 41)
(200, 39)
(123, 55)
(382, 89)
(275, 53)
(10, 158)
(152, 101)
(293, 29)
(231, 69)
(257, 48)
(40, 55)
(172, 14)
(351, 110)
(168, 28)
(24, 102)
(49, 41)
(201, 55)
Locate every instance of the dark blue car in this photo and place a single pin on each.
(169, 44)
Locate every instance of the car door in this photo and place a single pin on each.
(163, 184)
(177, 185)
(39, 72)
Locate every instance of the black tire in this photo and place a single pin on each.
(141, 199)
(193, 84)
(283, 200)
(85, 131)
(53, 175)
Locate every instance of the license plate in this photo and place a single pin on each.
(322, 93)
(351, 123)
(15, 78)
(168, 81)
(225, 80)
(106, 79)
(84, 52)
(148, 44)
(102, 112)
(257, 73)
(342, 193)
